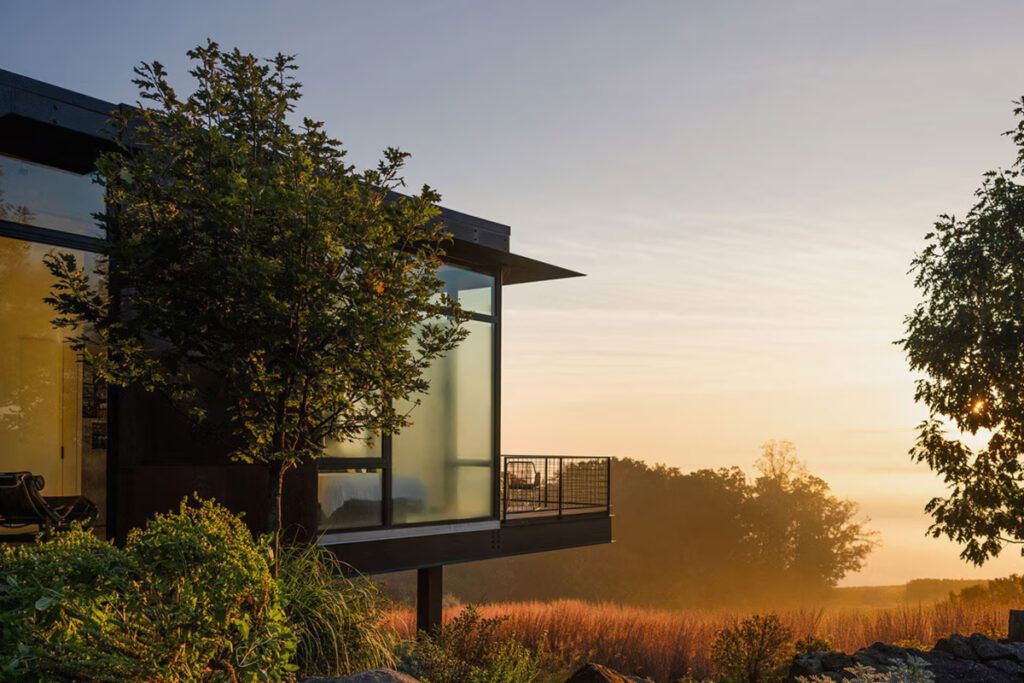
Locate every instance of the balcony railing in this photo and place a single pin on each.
(554, 485)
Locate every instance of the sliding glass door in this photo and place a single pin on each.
(53, 411)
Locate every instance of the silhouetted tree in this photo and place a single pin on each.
(803, 537)
(967, 338)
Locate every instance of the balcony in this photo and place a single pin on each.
(554, 486)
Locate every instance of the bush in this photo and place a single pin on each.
(340, 623)
(914, 671)
(189, 598)
(755, 650)
(470, 649)
(811, 644)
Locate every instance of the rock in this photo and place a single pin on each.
(978, 659)
(372, 676)
(986, 648)
(595, 673)
(806, 665)
(956, 645)
(883, 656)
(835, 661)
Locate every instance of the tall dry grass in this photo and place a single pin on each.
(666, 645)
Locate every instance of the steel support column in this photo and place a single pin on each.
(428, 597)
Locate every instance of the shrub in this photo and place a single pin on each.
(469, 649)
(189, 598)
(914, 671)
(340, 623)
(755, 650)
(809, 644)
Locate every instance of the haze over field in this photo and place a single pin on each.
(745, 186)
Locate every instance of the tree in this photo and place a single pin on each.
(966, 337)
(246, 248)
(803, 538)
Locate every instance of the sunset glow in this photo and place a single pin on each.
(744, 186)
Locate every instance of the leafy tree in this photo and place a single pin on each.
(246, 248)
(804, 538)
(965, 338)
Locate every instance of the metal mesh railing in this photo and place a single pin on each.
(543, 485)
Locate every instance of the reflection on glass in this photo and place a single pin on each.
(350, 499)
(442, 463)
(367, 446)
(474, 291)
(53, 410)
(48, 197)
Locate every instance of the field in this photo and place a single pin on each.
(666, 645)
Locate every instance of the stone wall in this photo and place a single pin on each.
(957, 658)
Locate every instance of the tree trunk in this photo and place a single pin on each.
(276, 483)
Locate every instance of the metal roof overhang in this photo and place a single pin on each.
(516, 269)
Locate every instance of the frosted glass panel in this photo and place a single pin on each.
(350, 499)
(53, 410)
(48, 197)
(368, 446)
(446, 456)
(474, 291)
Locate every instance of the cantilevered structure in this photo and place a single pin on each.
(439, 492)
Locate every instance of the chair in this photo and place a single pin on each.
(22, 504)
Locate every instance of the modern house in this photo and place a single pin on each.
(439, 492)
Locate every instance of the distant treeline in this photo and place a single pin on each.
(1008, 590)
(702, 538)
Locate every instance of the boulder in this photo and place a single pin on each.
(596, 673)
(956, 645)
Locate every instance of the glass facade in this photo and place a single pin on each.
(351, 499)
(47, 197)
(449, 446)
(442, 466)
(474, 291)
(53, 410)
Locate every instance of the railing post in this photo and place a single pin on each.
(546, 484)
(561, 483)
(608, 484)
(504, 489)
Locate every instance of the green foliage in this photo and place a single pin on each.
(339, 622)
(306, 290)
(964, 338)
(809, 644)
(756, 650)
(469, 649)
(189, 598)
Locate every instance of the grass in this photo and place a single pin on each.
(339, 621)
(666, 645)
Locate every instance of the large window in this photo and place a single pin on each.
(446, 456)
(440, 468)
(47, 197)
(53, 410)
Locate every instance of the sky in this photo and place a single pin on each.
(744, 184)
